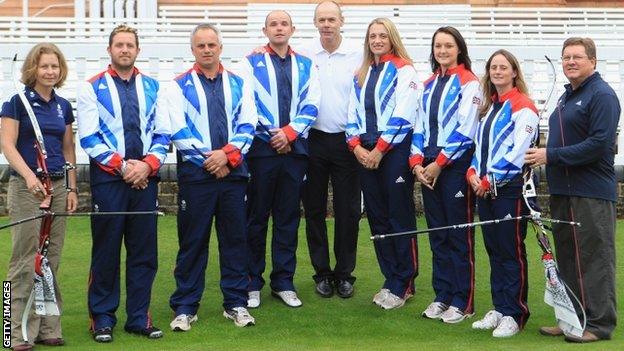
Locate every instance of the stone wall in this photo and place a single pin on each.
(168, 192)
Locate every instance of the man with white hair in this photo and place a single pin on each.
(329, 158)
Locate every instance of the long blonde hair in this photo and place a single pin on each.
(396, 47)
(489, 89)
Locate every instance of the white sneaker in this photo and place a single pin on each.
(506, 328)
(182, 322)
(391, 302)
(491, 320)
(289, 297)
(454, 315)
(380, 296)
(240, 316)
(253, 300)
(435, 310)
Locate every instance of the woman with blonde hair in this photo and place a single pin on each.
(508, 127)
(382, 111)
(44, 69)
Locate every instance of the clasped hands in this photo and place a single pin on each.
(428, 176)
(135, 174)
(368, 159)
(279, 141)
(216, 163)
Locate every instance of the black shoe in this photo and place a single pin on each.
(150, 332)
(344, 289)
(103, 334)
(325, 288)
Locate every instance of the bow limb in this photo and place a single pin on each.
(552, 87)
(557, 293)
(46, 204)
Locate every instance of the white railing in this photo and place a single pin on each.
(242, 24)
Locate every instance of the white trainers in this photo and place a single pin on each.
(391, 302)
(240, 316)
(289, 297)
(253, 300)
(454, 315)
(435, 310)
(380, 296)
(491, 320)
(182, 322)
(506, 328)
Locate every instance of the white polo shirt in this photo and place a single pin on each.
(336, 71)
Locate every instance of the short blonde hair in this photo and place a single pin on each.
(122, 28)
(31, 63)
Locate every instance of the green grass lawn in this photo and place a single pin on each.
(321, 324)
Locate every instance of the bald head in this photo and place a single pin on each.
(330, 7)
(278, 29)
(328, 20)
(277, 15)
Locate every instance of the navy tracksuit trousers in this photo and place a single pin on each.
(388, 199)
(451, 202)
(274, 188)
(198, 204)
(504, 243)
(138, 233)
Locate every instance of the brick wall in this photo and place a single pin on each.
(168, 191)
(14, 7)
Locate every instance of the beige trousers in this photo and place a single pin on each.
(25, 239)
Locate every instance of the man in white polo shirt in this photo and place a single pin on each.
(336, 59)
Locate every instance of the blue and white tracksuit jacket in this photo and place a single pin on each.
(306, 97)
(396, 102)
(100, 124)
(184, 102)
(505, 133)
(451, 102)
(503, 137)
(457, 120)
(388, 189)
(102, 112)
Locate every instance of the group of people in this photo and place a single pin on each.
(253, 141)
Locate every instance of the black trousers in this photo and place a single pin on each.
(331, 158)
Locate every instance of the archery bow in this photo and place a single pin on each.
(556, 290)
(43, 274)
(41, 262)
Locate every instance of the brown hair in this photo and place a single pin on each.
(31, 63)
(587, 43)
(396, 49)
(122, 28)
(462, 56)
(489, 89)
